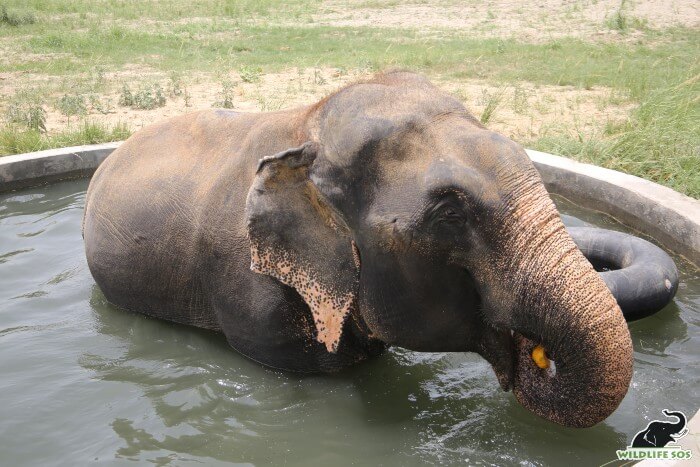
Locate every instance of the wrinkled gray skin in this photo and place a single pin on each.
(383, 215)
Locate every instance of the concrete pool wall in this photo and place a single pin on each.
(671, 218)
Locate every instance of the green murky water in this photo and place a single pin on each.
(81, 381)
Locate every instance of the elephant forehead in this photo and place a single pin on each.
(348, 142)
(446, 144)
(489, 152)
(447, 175)
(482, 172)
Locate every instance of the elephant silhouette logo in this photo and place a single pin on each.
(657, 440)
(659, 433)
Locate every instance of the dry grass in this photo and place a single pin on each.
(608, 90)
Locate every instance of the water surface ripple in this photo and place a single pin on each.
(83, 381)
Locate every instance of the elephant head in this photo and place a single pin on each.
(659, 434)
(404, 215)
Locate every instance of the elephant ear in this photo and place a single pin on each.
(297, 237)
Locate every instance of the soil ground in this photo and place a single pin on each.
(254, 65)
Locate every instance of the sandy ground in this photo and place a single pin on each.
(523, 112)
(527, 21)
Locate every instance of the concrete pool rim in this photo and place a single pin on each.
(669, 217)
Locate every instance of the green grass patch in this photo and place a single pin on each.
(72, 105)
(622, 22)
(639, 68)
(253, 37)
(15, 18)
(146, 98)
(168, 9)
(660, 142)
(26, 114)
(491, 101)
(17, 140)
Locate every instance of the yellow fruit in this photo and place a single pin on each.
(539, 357)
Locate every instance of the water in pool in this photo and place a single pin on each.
(82, 381)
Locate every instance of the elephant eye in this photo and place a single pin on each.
(451, 215)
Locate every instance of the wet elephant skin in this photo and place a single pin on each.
(384, 214)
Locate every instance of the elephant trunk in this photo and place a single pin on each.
(677, 427)
(573, 348)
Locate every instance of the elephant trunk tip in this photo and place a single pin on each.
(574, 350)
(565, 388)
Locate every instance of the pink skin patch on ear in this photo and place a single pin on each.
(329, 307)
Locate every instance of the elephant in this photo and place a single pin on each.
(659, 434)
(383, 215)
